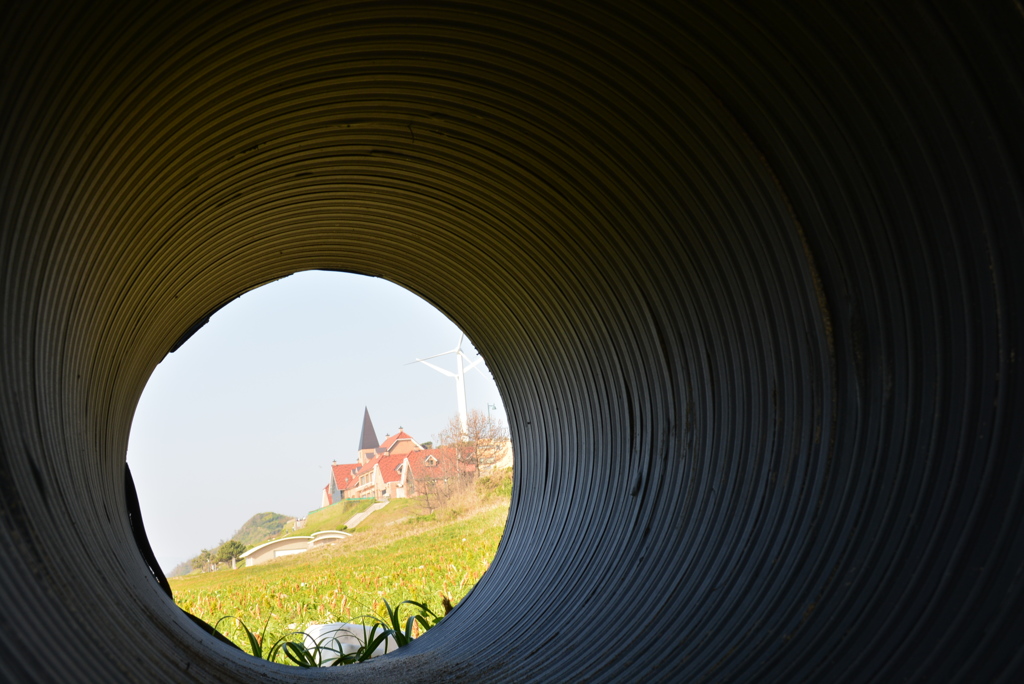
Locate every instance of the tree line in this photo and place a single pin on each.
(254, 531)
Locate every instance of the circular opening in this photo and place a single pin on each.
(325, 446)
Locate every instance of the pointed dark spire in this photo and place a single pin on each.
(367, 437)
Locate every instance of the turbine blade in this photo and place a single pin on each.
(437, 368)
(432, 357)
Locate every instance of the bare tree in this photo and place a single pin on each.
(439, 477)
(482, 444)
(440, 482)
(458, 457)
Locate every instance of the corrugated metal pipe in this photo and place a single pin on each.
(748, 276)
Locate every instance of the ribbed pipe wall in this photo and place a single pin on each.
(747, 274)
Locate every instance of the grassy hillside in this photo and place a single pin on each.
(261, 527)
(400, 555)
(396, 511)
(332, 517)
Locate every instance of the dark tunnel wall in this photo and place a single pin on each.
(747, 277)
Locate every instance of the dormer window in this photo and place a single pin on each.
(430, 461)
(398, 468)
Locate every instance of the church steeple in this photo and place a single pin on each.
(367, 438)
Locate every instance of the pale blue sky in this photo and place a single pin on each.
(248, 414)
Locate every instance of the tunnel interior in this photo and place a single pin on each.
(747, 278)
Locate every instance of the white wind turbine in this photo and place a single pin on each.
(461, 368)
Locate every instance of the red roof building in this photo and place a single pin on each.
(399, 443)
(392, 469)
(343, 475)
(437, 464)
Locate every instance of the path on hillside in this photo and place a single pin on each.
(360, 517)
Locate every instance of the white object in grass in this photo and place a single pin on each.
(345, 637)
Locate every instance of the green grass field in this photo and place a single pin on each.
(395, 554)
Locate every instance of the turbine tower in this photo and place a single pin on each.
(461, 368)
